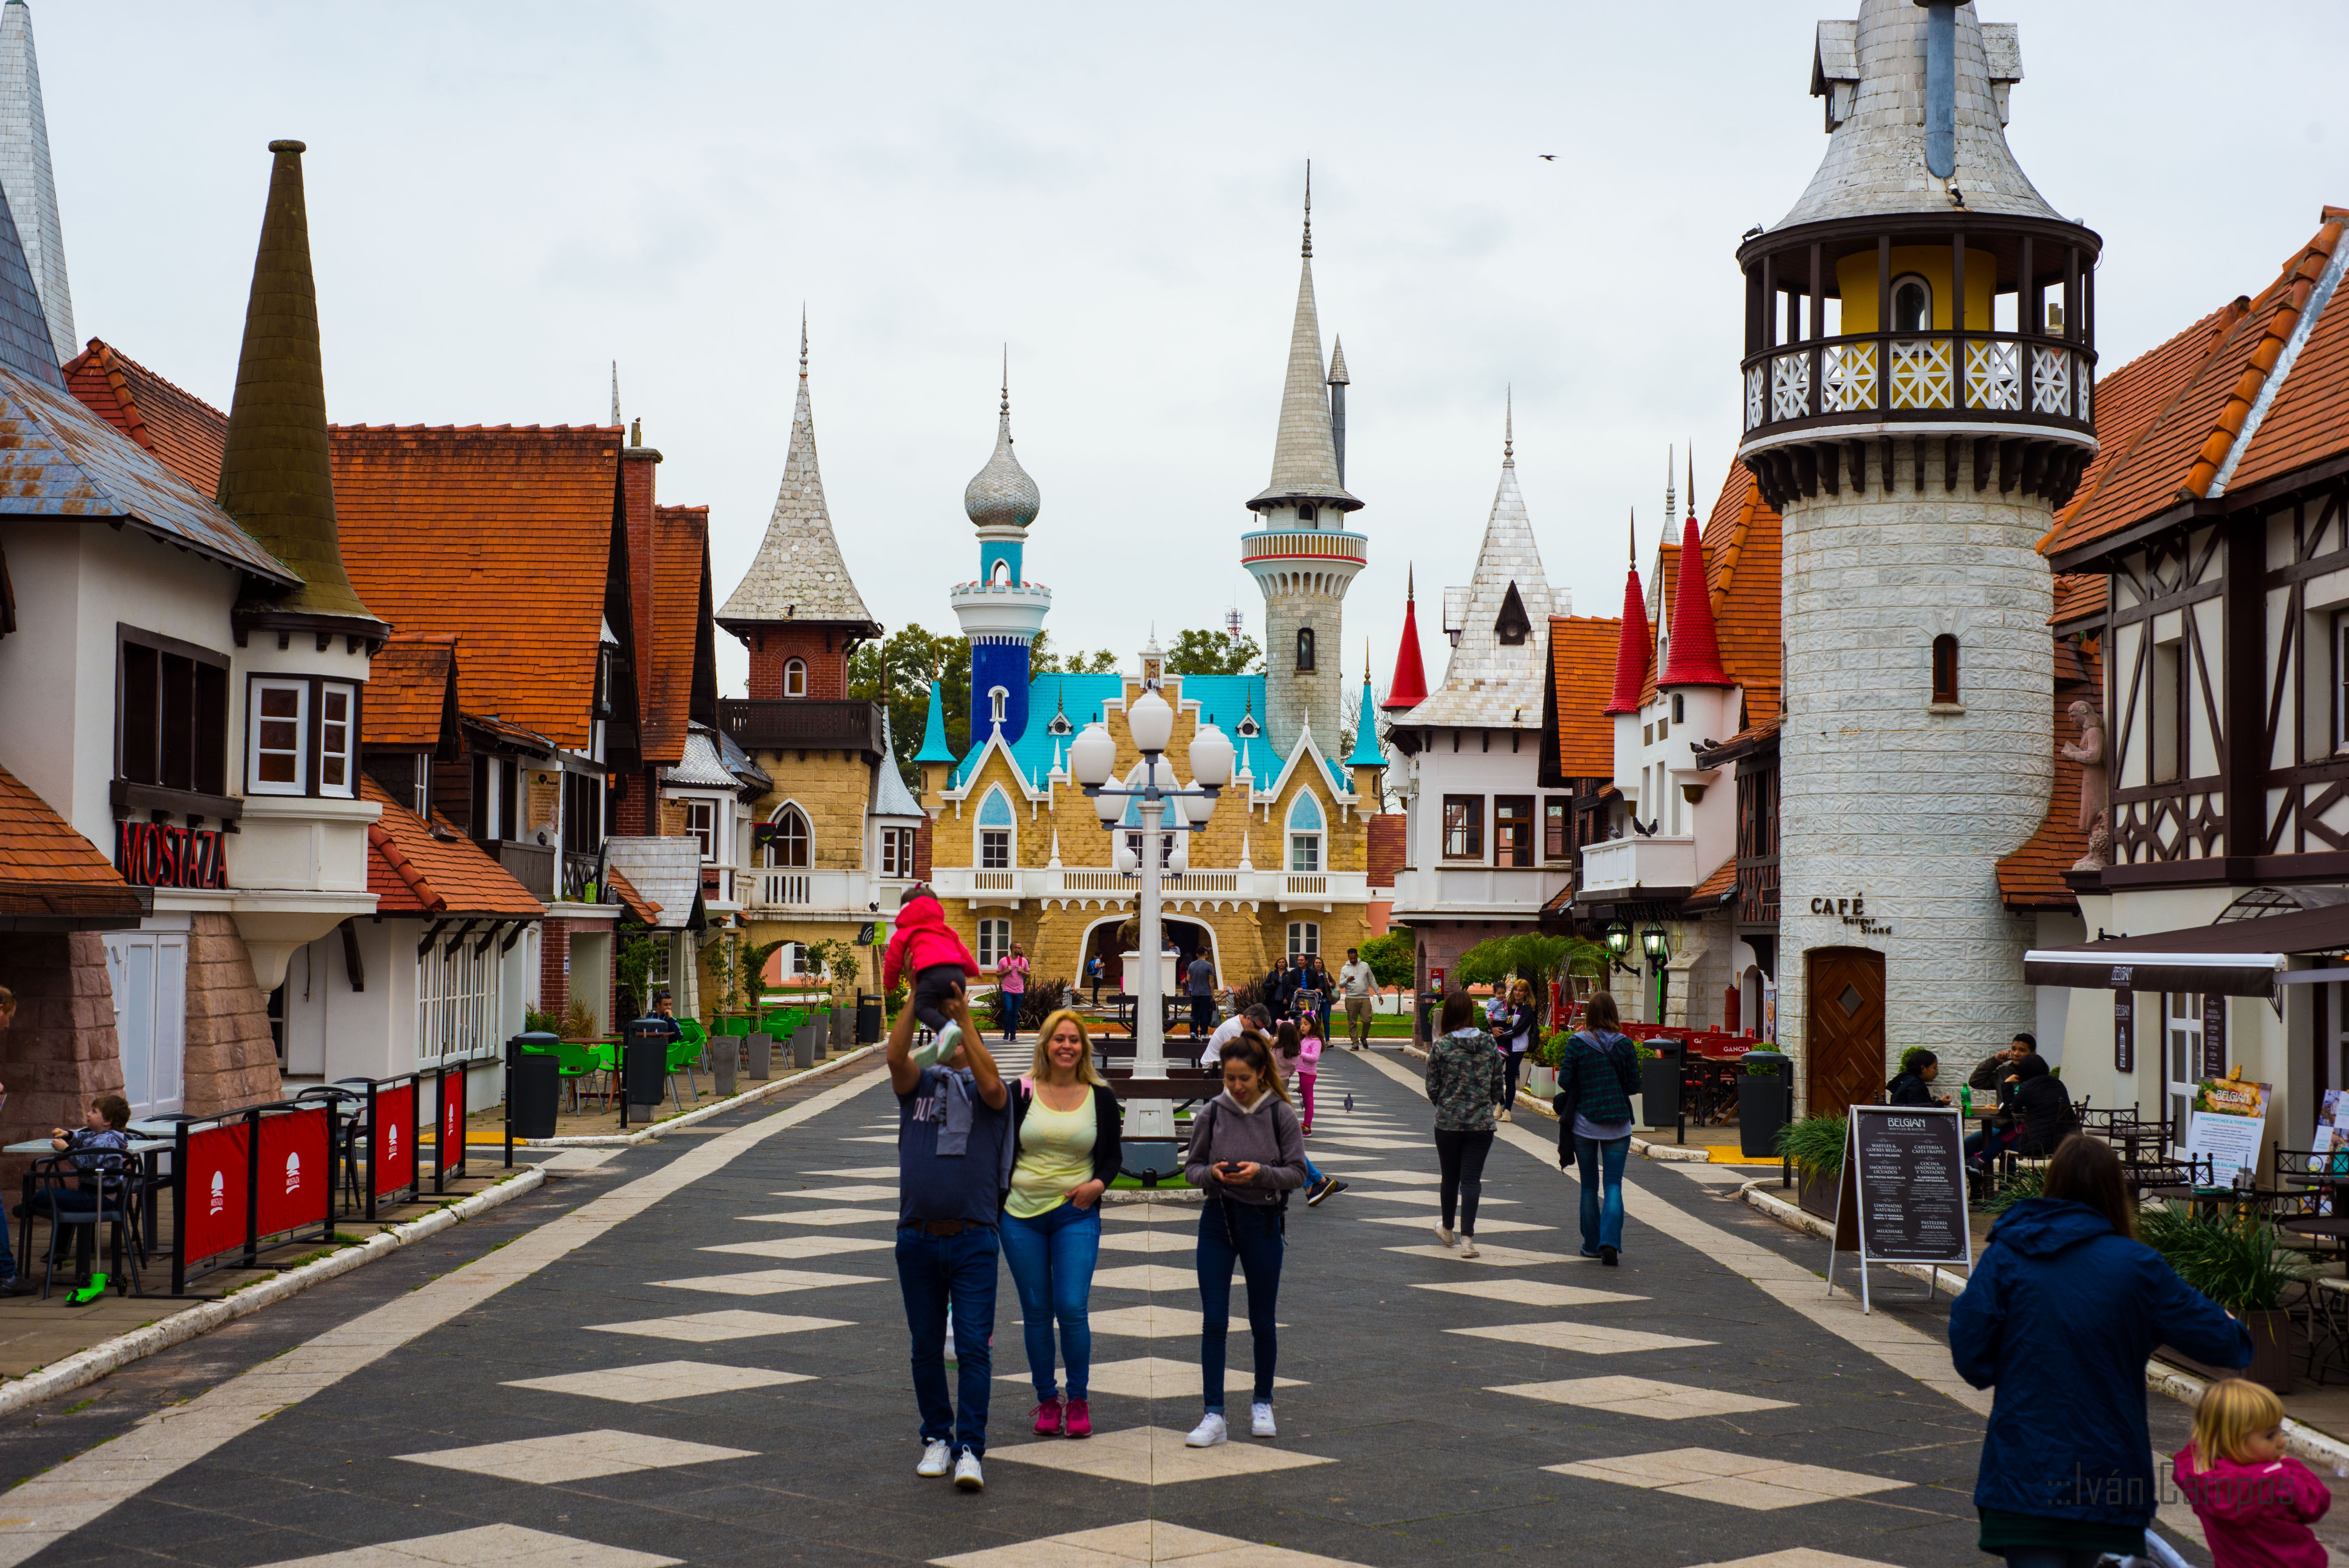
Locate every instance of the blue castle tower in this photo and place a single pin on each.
(1002, 611)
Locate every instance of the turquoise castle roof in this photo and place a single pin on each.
(1226, 700)
(934, 732)
(1366, 733)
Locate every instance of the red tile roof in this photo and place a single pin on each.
(684, 647)
(431, 869)
(48, 872)
(2079, 596)
(412, 692)
(180, 428)
(1715, 890)
(1582, 657)
(2168, 421)
(641, 910)
(2032, 877)
(501, 534)
(1743, 554)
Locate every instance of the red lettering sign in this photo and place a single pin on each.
(214, 1218)
(156, 854)
(394, 1147)
(297, 1174)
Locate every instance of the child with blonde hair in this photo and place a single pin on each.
(2255, 1502)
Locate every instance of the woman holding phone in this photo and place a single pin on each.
(1246, 1154)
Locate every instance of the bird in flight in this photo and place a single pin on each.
(1547, 156)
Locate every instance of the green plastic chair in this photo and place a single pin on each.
(568, 1066)
(740, 1027)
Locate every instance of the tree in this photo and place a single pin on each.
(901, 668)
(1203, 653)
(1536, 956)
(1042, 661)
(1393, 958)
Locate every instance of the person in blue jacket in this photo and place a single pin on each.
(2062, 1310)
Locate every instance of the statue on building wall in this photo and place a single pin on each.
(2095, 802)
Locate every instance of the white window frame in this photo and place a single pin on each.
(897, 852)
(1892, 303)
(2181, 1051)
(998, 700)
(995, 848)
(253, 782)
(795, 677)
(701, 825)
(422, 802)
(2341, 680)
(457, 1001)
(993, 941)
(783, 813)
(348, 756)
(1304, 938)
(1305, 844)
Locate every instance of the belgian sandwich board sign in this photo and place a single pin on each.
(1904, 1191)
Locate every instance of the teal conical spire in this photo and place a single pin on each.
(1367, 752)
(934, 731)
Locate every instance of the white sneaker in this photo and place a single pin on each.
(1505, 1113)
(1468, 1247)
(1444, 1236)
(966, 1472)
(942, 1045)
(1260, 1421)
(1210, 1431)
(937, 1457)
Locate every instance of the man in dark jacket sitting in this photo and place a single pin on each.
(2043, 1108)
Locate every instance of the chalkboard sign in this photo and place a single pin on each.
(1904, 1190)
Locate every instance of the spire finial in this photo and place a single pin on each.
(615, 391)
(1692, 473)
(1410, 582)
(1672, 499)
(1635, 537)
(1006, 379)
(1308, 208)
(803, 340)
(1509, 427)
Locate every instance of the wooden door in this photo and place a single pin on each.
(1843, 1043)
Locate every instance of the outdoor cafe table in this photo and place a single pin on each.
(149, 1151)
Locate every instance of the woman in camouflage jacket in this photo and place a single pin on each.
(1466, 1079)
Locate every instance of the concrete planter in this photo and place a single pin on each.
(1817, 1194)
(725, 1062)
(803, 1047)
(758, 1055)
(1542, 1080)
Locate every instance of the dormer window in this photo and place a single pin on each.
(1513, 625)
(1912, 304)
(795, 677)
(1248, 727)
(1060, 725)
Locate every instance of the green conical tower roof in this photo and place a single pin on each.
(277, 477)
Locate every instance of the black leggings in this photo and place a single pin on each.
(1515, 1059)
(1462, 1157)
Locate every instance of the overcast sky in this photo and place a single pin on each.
(506, 198)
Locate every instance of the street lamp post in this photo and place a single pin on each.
(1092, 759)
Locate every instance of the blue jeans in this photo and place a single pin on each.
(1602, 1211)
(1233, 1232)
(1051, 1259)
(931, 1271)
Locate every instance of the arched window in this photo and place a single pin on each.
(1912, 304)
(1304, 649)
(1945, 668)
(1001, 576)
(787, 839)
(1305, 825)
(996, 697)
(795, 677)
(995, 824)
(1309, 515)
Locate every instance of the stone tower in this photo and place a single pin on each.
(1002, 612)
(1917, 398)
(1302, 555)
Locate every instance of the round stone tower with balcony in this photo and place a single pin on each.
(1917, 380)
(1302, 555)
(1002, 612)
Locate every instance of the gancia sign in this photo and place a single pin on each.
(1852, 911)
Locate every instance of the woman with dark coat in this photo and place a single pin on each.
(2043, 1108)
(2059, 1317)
(1919, 1068)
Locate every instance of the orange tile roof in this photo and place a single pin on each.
(1715, 890)
(183, 429)
(684, 647)
(48, 872)
(501, 534)
(412, 692)
(2305, 423)
(2175, 415)
(2032, 877)
(1582, 677)
(431, 869)
(1743, 551)
(641, 910)
(2079, 596)
(1668, 561)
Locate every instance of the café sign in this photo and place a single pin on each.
(1852, 911)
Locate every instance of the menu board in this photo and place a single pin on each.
(1910, 1181)
(2225, 1121)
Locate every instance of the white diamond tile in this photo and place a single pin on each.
(716, 1327)
(660, 1380)
(485, 1546)
(575, 1455)
(1589, 1338)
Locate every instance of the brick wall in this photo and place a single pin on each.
(637, 465)
(1386, 848)
(62, 1050)
(555, 967)
(823, 648)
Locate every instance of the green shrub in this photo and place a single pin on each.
(1814, 1143)
(2237, 1263)
(534, 1022)
(2026, 1181)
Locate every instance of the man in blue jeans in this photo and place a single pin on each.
(954, 1162)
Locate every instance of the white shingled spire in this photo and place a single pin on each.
(24, 174)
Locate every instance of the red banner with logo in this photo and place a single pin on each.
(297, 1170)
(214, 1218)
(394, 1152)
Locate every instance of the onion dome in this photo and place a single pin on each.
(1001, 495)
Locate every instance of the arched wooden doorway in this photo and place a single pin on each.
(1843, 1026)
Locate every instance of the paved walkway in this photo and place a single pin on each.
(695, 1352)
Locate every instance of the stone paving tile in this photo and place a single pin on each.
(1407, 1178)
(1800, 1557)
(765, 1281)
(1488, 1256)
(802, 1246)
(486, 1546)
(1151, 1214)
(659, 1380)
(1153, 1456)
(713, 1328)
(1431, 1200)
(1159, 1377)
(858, 1193)
(575, 1455)
(1147, 1276)
(1149, 1241)
(1741, 1481)
(1643, 1396)
(829, 1217)
(1144, 1541)
(888, 1170)
(1527, 1291)
(1484, 1227)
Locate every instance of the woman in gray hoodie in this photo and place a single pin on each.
(1246, 1154)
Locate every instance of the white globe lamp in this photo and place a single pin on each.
(1151, 722)
(1126, 861)
(1180, 860)
(1093, 754)
(1211, 758)
(1109, 808)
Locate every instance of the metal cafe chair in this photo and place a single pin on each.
(113, 1206)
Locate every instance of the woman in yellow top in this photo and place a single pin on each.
(1065, 1136)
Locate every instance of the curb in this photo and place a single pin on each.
(659, 1129)
(85, 1367)
(1676, 1154)
(1152, 1195)
(2160, 1377)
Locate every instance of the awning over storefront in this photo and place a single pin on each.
(2233, 959)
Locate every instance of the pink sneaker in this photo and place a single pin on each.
(1047, 1419)
(1081, 1418)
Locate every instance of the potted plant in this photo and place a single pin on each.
(2238, 1262)
(1761, 1103)
(1814, 1144)
(1541, 1068)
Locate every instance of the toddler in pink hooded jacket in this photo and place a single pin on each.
(2255, 1502)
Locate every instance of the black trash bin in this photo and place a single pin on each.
(533, 1085)
(644, 1061)
(1761, 1103)
(1660, 1083)
(868, 1018)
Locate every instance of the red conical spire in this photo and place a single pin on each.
(1631, 655)
(1409, 687)
(1695, 658)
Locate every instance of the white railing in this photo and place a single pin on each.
(1622, 865)
(1298, 885)
(994, 882)
(1515, 890)
(1099, 882)
(783, 889)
